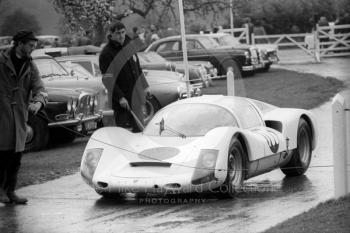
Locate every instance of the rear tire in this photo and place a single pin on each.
(236, 70)
(301, 156)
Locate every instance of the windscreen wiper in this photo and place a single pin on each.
(163, 127)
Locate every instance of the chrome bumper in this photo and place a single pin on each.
(76, 121)
(248, 68)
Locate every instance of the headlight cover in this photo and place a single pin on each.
(89, 164)
(205, 167)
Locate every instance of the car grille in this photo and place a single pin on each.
(254, 56)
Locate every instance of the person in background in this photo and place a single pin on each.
(248, 23)
(22, 91)
(323, 22)
(123, 78)
(154, 33)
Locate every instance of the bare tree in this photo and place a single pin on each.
(94, 15)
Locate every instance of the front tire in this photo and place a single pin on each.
(301, 156)
(266, 68)
(236, 169)
(63, 135)
(37, 133)
(151, 107)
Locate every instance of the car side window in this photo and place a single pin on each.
(85, 64)
(249, 117)
(97, 70)
(193, 45)
(168, 46)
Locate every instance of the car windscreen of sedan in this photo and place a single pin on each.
(228, 40)
(191, 120)
(208, 43)
(49, 68)
(151, 57)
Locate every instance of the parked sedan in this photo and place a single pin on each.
(198, 73)
(70, 112)
(166, 86)
(186, 148)
(264, 54)
(202, 48)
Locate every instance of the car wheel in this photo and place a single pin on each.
(236, 169)
(37, 133)
(236, 70)
(266, 68)
(63, 135)
(301, 156)
(150, 108)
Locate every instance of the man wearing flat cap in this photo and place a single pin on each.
(21, 90)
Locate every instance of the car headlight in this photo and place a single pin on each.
(74, 104)
(205, 168)
(89, 164)
(69, 105)
(247, 54)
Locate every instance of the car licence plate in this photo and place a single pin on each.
(90, 125)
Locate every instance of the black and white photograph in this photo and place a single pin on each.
(174, 116)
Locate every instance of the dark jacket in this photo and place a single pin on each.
(122, 75)
(15, 94)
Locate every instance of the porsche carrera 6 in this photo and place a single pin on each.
(206, 143)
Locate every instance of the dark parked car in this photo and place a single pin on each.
(69, 113)
(265, 55)
(198, 73)
(203, 48)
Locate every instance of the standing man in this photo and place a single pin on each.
(21, 90)
(123, 77)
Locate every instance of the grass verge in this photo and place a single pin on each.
(328, 217)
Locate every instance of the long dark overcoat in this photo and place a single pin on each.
(122, 75)
(15, 94)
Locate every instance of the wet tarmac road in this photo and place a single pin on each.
(69, 205)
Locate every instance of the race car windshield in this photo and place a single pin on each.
(192, 120)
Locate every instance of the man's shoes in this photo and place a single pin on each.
(13, 198)
(3, 197)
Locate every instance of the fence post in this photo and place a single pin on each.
(247, 35)
(316, 45)
(341, 147)
(230, 82)
(253, 39)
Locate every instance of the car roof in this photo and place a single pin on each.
(41, 56)
(77, 57)
(220, 100)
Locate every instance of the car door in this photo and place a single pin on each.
(266, 143)
(196, 51)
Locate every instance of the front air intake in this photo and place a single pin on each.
(150, 164)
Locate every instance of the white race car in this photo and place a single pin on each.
(205, 143)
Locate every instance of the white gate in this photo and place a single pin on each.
(334, 40)
(327, 41)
